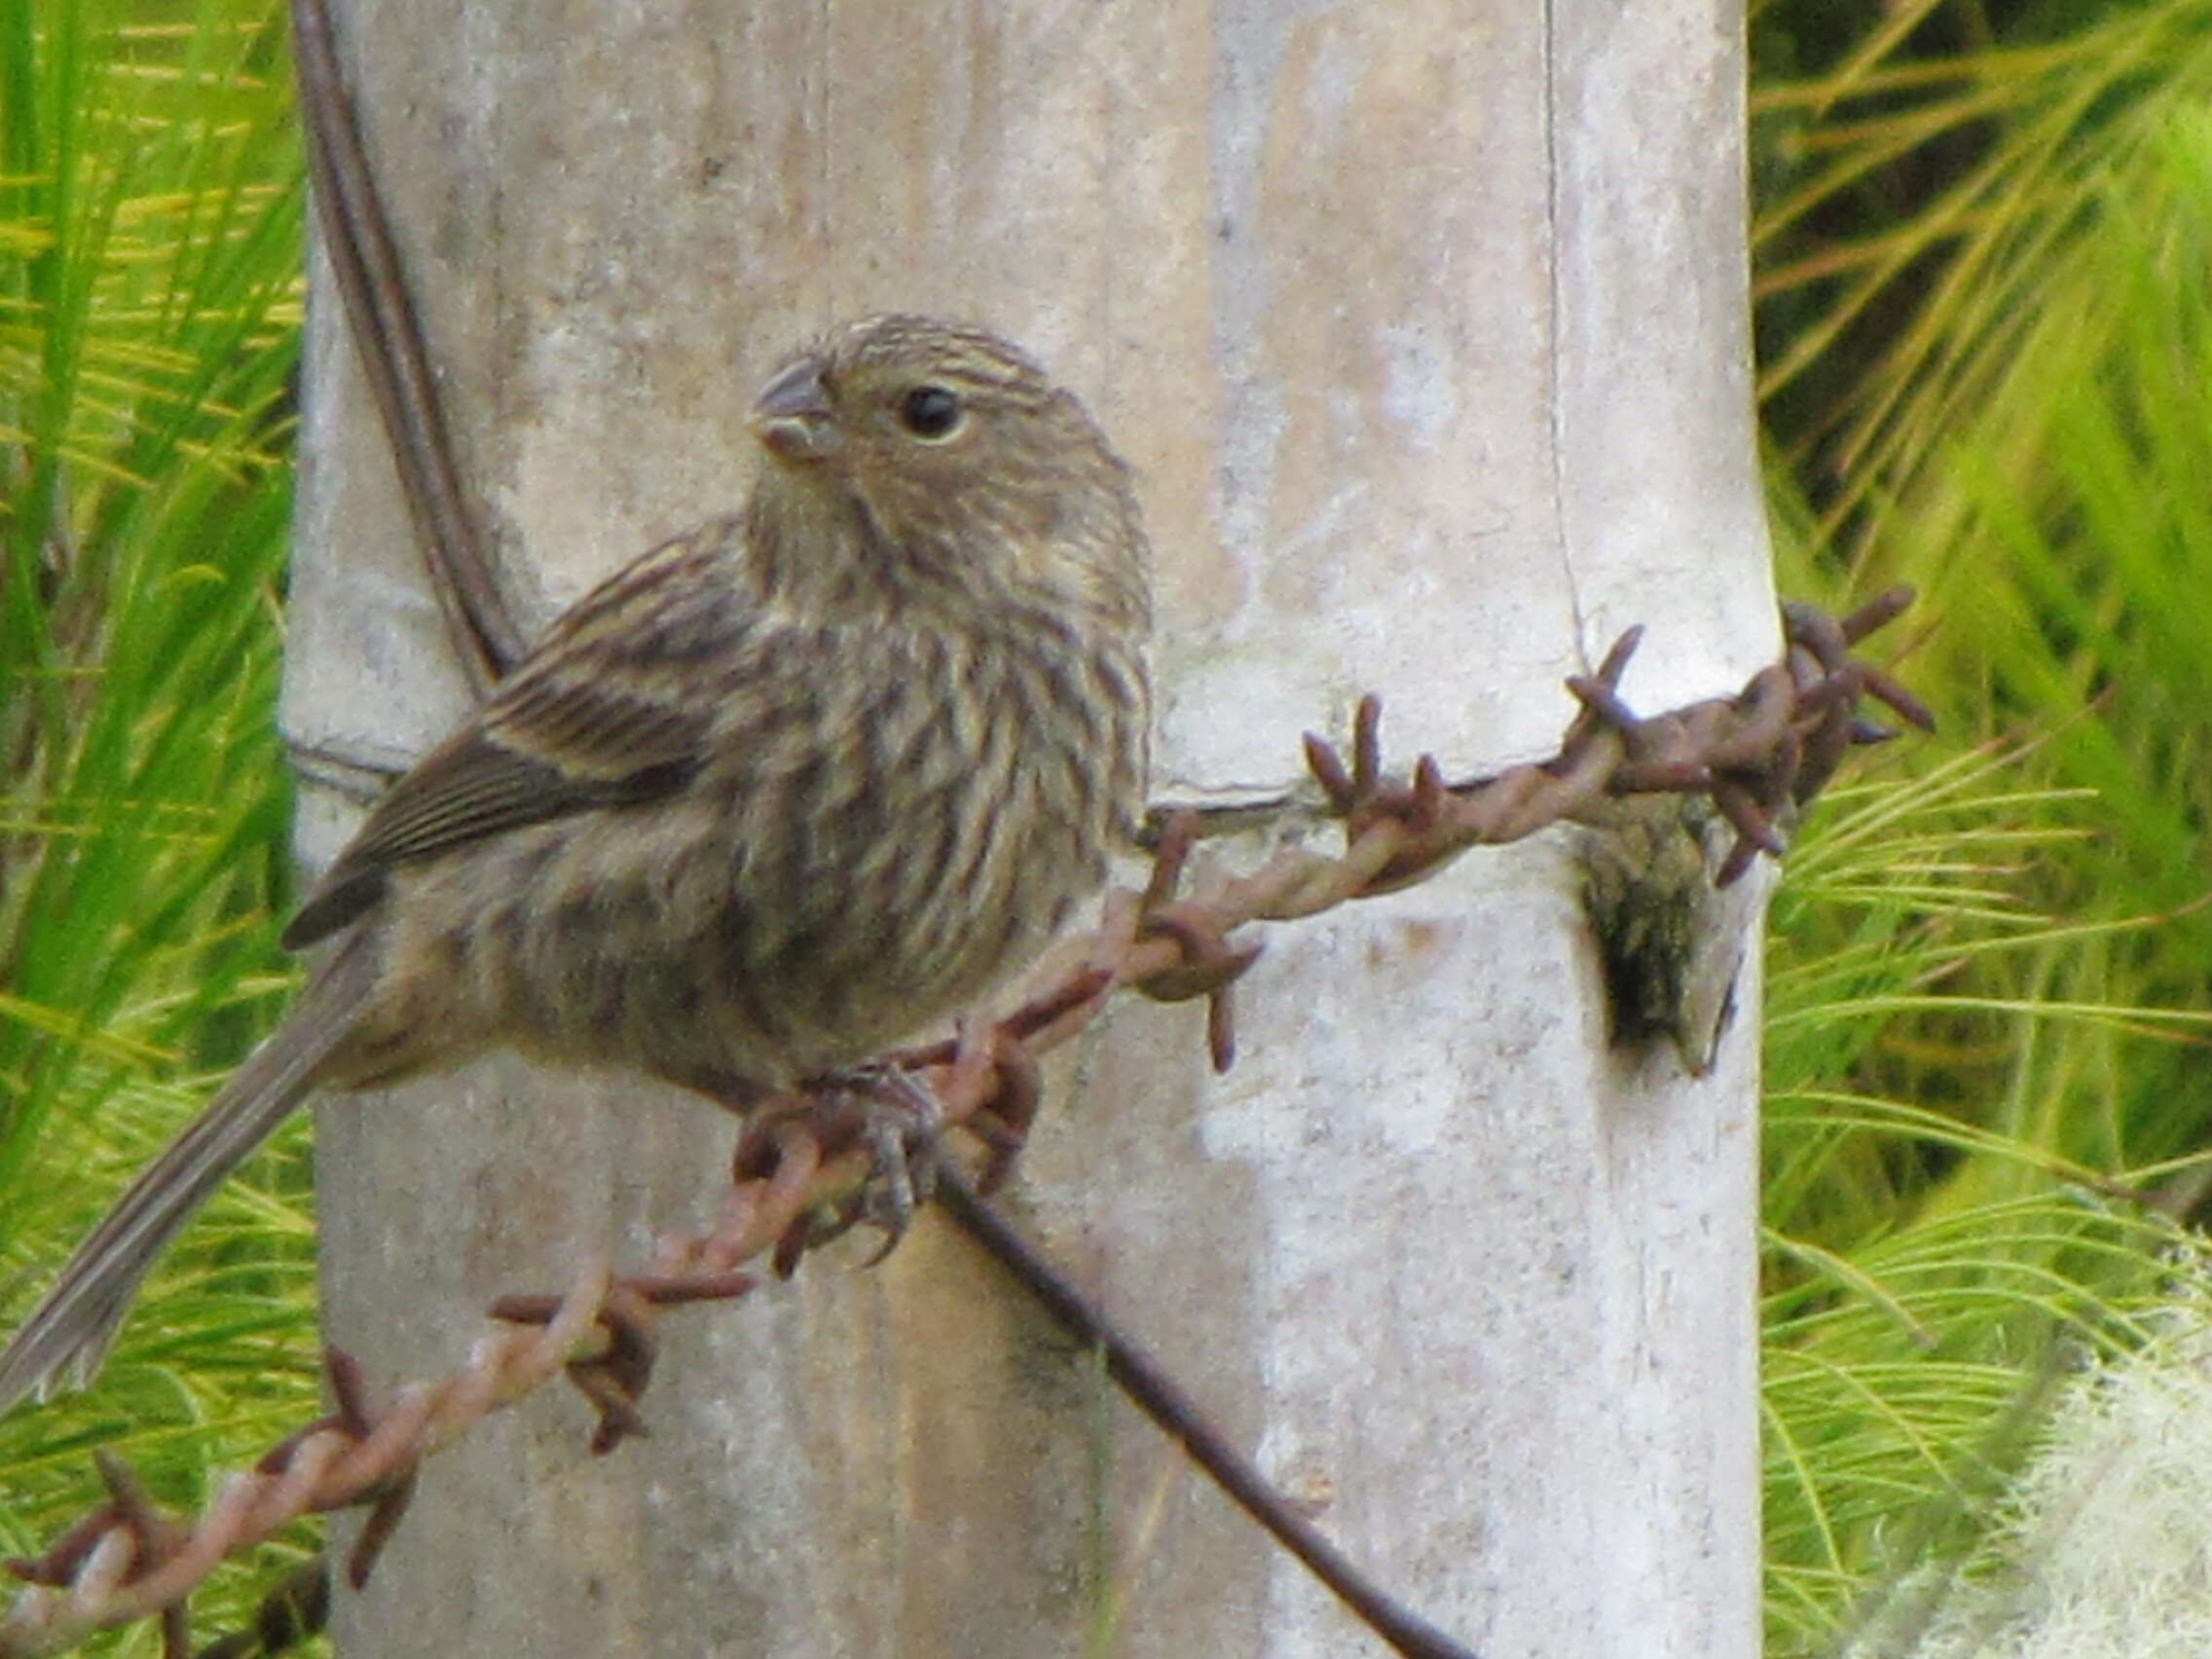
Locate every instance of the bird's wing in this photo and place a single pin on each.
(596, 716)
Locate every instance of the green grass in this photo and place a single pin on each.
(1932, 1252)
(1983, 280)
(149, 314)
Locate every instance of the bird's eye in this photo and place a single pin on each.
(931, 412)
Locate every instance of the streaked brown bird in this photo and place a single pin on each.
(782, 792)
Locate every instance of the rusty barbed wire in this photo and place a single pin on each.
(800, 1164)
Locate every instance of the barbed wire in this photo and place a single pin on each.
(802, 1164)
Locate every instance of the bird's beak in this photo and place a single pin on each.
(793, 415)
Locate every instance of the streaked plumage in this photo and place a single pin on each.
(776, 794)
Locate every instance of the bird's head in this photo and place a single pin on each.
(939, 461)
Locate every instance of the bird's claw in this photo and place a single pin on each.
(901, 1123)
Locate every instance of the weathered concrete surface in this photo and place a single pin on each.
(1425, 327)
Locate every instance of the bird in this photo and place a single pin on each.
(783, 791)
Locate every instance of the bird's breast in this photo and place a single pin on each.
(850, 866)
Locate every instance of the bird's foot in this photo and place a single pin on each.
(896, 1115)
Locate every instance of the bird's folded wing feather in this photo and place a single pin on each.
(595, 718)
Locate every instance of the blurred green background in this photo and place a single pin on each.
(1982, 243)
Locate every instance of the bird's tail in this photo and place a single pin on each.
(68, 1334)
